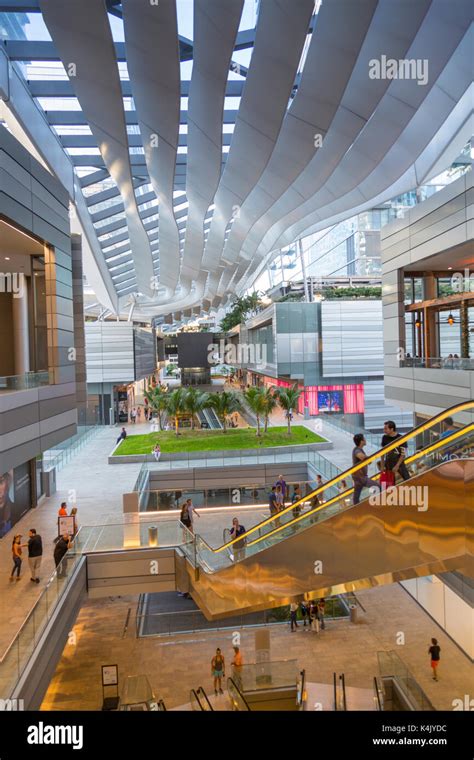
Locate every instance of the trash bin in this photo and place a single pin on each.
(353, 612)
(152, 536)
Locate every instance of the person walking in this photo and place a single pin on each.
(434, 651)
(280, 503)
(313, 616)
(360, 478)
(218, 670)
(157, 452)
(293, 613)
(282, 483)
(60, 551)
(192, 511)
(239, 546)
(321, 611)
(16, 556)
(139, 414)
(272, 502)
(74, 521)
(185, 517)
(305, 614)
(133, 415)
(319, 484)
(296, 496)
(237, 663)
(35, 554)
(394, 460)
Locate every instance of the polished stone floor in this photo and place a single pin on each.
(175, 664)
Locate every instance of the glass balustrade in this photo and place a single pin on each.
(24, 382)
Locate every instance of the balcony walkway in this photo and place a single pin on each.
(96, 488)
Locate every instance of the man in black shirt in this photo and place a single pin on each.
(60, 551)
(434, 651)
(394, 460)
(35, 554)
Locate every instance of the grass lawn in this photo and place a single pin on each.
(211, 440)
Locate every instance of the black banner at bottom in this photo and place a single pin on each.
(377, 734)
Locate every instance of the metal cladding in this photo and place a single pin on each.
(84, 40)
(318, 136)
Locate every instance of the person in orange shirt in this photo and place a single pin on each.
(237, 663)
(62, 510)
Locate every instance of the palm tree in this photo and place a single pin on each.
(270, 401)
(176, 405)
(195, 402)
(157, 398)
(255, 398)
(288, 400)
(224, 403)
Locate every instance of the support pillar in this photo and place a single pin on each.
(21, 330)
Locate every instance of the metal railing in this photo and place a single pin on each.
(438, 362)
(159, 624)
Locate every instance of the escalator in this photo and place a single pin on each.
(333, 546)
(209, 419)
(200, 701)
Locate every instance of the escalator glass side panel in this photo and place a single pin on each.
(286, 524)
(447, 426)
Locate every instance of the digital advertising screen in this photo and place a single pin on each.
(15, 496)
(330, 401)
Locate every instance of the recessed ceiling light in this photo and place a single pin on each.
(7, 258)
(449, 267)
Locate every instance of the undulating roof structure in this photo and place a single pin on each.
(191, 159)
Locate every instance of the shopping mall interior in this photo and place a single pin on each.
(237, 376)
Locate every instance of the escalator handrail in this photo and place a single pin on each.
(206, 698)
(193, 693)
(349, 472)
(418, 455)
(303, 686)
(161, 705)
(377, 694)
(334, 686)
(231, 681)
(343, 682)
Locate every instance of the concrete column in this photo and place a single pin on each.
(79, 331)
(463, 310)
(21, 330)
(431, 336)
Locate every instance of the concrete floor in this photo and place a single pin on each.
(176, 664)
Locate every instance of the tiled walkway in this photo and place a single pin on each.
(176, 664)
(96, 488)
(86, 480)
